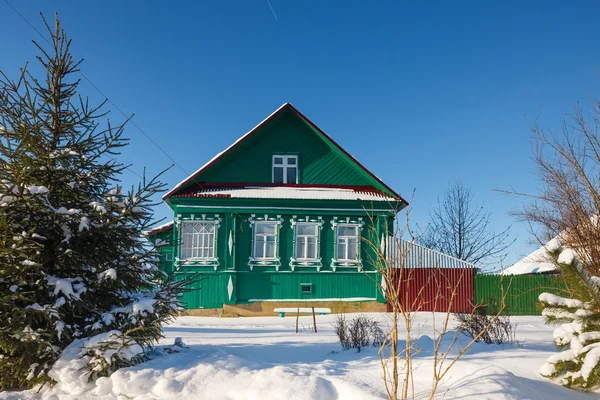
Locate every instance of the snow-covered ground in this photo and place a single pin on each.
(263, 358)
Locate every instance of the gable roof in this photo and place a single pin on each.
(286, 106)
(537, 262)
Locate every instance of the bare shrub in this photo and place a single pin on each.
(394, 262)
(341, 329)
(377, 335)
(361, 332)
(499, 328)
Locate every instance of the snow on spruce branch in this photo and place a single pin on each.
(578, 330)
(74, 264)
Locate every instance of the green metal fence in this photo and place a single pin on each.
(522, 291)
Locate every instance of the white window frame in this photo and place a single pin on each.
(284, 166)
(345, 239)
(300, 257)
(255, 234)
(197, 244)
(169, 256)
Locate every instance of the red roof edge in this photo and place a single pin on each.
(216, 159)
(237, 185)
(263, 123)
(308, 121)
(159, 229)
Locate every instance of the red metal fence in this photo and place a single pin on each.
(436, 289)
(430, 280)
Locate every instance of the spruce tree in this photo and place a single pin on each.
(73, 260)
(578, 323)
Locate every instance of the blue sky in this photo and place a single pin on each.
(422, 93)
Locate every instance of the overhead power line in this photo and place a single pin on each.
(106, 97)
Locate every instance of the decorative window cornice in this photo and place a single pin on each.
(347, 221)
(317, 220)
(203, 217)
(196, 217)
(265, 218)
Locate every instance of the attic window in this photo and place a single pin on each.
(285, 169)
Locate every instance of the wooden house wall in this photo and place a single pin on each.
(319, 163)
(164, 263)
(266, 283)
(272, 286)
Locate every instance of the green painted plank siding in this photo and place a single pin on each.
(265, 282)
(285, 286)
(522, 291)
(207, 290)
(319, 163)
(165, 251)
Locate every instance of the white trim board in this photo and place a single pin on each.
(290, 208)
(313, 300)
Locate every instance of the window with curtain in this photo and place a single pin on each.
(265, 240)
(307, 239)
(347, 242)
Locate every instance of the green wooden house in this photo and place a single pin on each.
(284, 215)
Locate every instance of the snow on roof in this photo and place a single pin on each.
(279, 192)
(535, 263)
(160, 228)
(186, 180)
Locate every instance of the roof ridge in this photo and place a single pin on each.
(218, 155)
(325, 136)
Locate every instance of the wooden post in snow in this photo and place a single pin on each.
(314, 319)
(297, 318)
